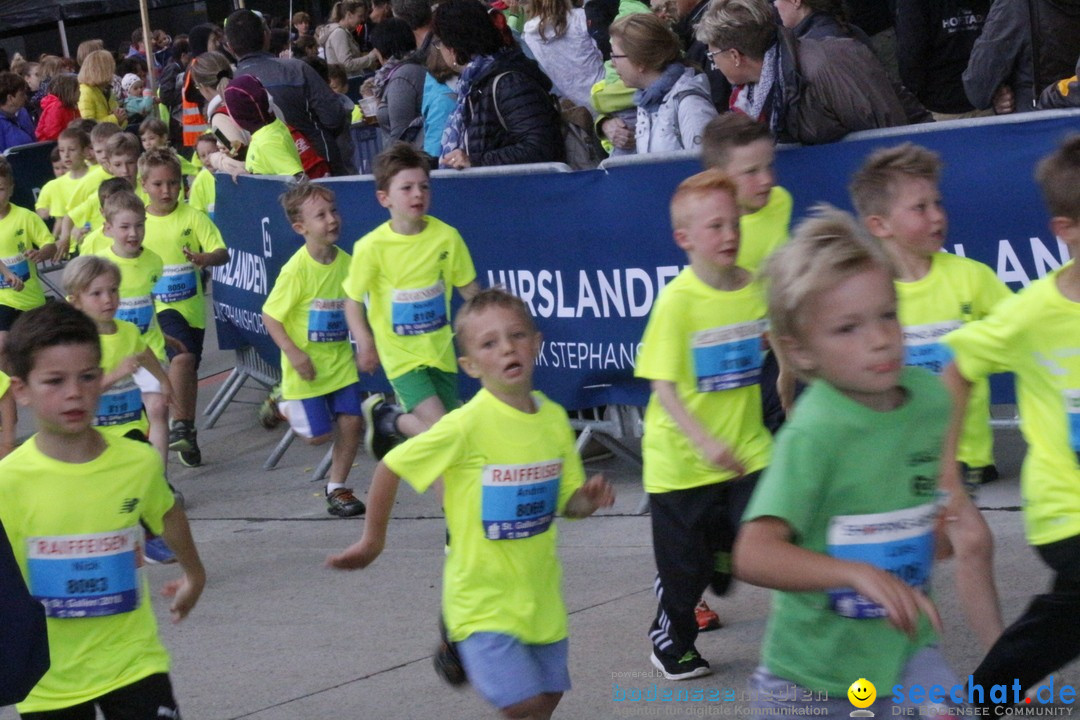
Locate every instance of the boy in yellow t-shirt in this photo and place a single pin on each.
(305, 316)
(407, 268)
(50, 191)
(501, 596)
(704, 444)
(96, 173)
(93, 242)
(72, 145)
(1033, 334)
(203, 195)
(71, 503)
(897, 196)
(186, 241)
(123, 162)
(8, 417)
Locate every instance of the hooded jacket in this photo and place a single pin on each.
(54, 118)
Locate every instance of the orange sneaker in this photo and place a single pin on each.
(706, 618)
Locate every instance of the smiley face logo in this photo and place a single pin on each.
(862, 693)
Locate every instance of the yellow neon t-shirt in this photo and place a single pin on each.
(955, 291)
(409, 280)
(138, 276)
(94, 242)
(762, 232)
(87, 511)
(120, 409)
(203, 193)
(710, 343)
(180, 285)
(54, 194)
(272, 151)
(88, 185)
(5, 383)
(308, 299)
(1033, 334)
(506, 473)
(20, 231)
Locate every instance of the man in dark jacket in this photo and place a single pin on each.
(697, 52)
(24, 644)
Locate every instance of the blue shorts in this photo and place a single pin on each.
(506, 671)
(314, 417)
(176, 325)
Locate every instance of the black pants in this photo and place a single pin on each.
(772, 410)
(1047, 635)
(693, 532)
(148, 699)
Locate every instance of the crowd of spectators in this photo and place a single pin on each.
(475, 83)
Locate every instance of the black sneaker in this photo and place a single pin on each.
(690, 665)
(447, 662)
(192, 455)
(380, 426)
(181, 434)
(342, 503)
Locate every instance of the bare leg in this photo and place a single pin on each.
(538, 707)
(185, 383)
(347, 437)
(423, 416)
(157, 412)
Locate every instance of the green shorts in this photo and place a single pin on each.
(418, 385)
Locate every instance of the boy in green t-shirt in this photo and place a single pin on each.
(71, 503)
(1033, 334)
(407, 268)
(898, 199)
(705, 443)
(305, 316)
(842, 524)
(501, 586)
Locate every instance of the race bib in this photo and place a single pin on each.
(923, 347)
(519, 501)
(728, 357)
(1072, 407)
(79, 576)
(177, 282)
(326, 321)
(139, 311)
(901, 542)
(416, 312)
(19, 266)
(120, 404)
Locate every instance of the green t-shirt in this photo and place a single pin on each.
(710, 344)
(20, 231)
(955, 291)
(120, 409)
(138, 276)
(1033, 334)
(180, 286)
(272, 151)
(506, 473)
(203, 193)
(764, 231)
(59, 515)
(308, 299)
(409, 280)
(858, 484)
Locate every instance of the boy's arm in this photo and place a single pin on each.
(380, 501)
(210, 259)
(590, 497)
(299, 359)
(468, 291)
(13, 280)
(8, 420)
(184, 591)
(764, 555)
(149, 360)
(126, 367)
(713, 450)
(367, 357)
(959, 389)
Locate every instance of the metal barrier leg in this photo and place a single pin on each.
(279, 450)
(227, 393)
(324, 465)
(226, 388)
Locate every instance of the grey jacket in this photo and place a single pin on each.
(402, 101)
(341, 48)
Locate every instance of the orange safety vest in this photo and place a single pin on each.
(191, 117)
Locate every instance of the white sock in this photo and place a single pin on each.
(331, 487)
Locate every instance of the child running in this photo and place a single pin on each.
(842, 523)
(71, 501)
(509, 464)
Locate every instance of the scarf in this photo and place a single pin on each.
(652, 97)
(751, 98)
(383, 75)
(453, 137)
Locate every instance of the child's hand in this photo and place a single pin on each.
(367, 358)
(199, 260)
(598, 491)
(357, 556)
(15, 281)
(301, 362)
(184, 594)
(719, 454)
(901, 602)
(129, 365)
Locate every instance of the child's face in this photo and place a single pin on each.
(62, 388)
(127, 229)
(58, 168)
(205, 149)
(710, 230)
(409, 196)
(750, 167)
(125, 166)
(162, 184)
(71, 152)
(851, 338)
(319, 220)
(916, 220)
(337, 86)
(500, 350)
(7, 186)
(302, 28)
(136, 89)
(101, 153)
(33, 79)
(100, 299)
(153, 140)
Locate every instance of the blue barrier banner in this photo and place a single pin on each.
(589, 251)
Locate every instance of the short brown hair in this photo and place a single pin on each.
(873, 187)
(47, 326)
(706, 181)
(77, 134)
(123, 143)
(121, 200)
(647, 40)
(745, 25)
(6, 173)
(11, 84)
(159, 157)
(292, 199)
(84, 269)
(66, 88)
(401, 156)
(1058, 175)
(104, 131)
(491, 297)
(301, 17)
(153, 125)
(726, 132)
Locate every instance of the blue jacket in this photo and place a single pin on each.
(17, 130)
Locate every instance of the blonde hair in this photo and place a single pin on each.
(292, 199)
(491, 297)
(86, 47)
(212, 69)
(159, 157)
(122, 201)
(84, 270)
(1058, 175)
(98, 68)
(745, 25)
(825, 250)
(873, 186)
(123, 143)
(647, 41)
(706, 181)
